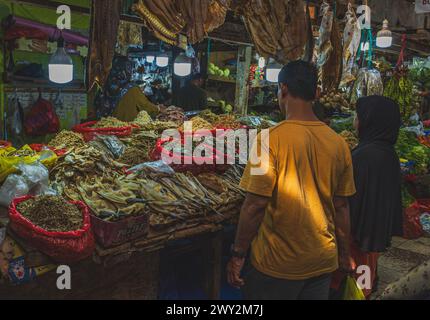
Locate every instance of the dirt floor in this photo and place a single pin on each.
(403, 256)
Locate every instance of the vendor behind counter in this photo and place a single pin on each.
(133, 102)
(192, 97)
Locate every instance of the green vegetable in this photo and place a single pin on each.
(408, 147)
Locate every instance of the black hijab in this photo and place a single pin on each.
(376, 209)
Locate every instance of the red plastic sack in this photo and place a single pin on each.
(89, 132)
(40, 147)
(42, 119)
(63, 247)
(5, 144)
(210, 163)
(412, 228)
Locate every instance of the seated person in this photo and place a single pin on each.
(133, 102)
(192, 97)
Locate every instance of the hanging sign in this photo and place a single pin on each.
(422, 6)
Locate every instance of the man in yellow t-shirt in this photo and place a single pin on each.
(133, 102)
(295, 217)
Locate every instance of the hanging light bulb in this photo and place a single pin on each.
(162, 60)
(262, 62)
(272, 71)
(150, 58)
(60, 65)
(182, 66)
(384, 39)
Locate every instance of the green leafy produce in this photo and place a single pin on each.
(408, 147)
(342, 124)
(407, 199)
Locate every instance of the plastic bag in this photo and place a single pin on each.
(157, 166)
(368, 83)
(425, 222)
(63, 247)
(352, 291)
(115, 146)
(14, 186)
(42, 119)
(34, 180)
(412, 228)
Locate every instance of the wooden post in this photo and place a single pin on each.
(242, 90)
(213, 270)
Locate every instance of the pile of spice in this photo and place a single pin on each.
(67, 139)
(52, 213)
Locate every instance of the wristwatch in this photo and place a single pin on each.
(237, 253)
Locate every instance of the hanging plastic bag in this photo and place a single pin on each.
(368, 83)
(352, 291)
(42, 119)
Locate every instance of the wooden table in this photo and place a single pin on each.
(132, 270)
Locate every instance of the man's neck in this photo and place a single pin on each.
(300, 110)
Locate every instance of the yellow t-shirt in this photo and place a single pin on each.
(308, 165)
(132, 103)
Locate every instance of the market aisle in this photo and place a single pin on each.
(403, 256)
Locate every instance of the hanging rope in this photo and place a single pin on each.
(401, 59)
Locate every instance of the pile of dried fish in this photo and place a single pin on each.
(67, 139)
(159, 126)
(111, 122)
(79, 165)
(139, 146)
(209, 116)
(228, 122)
(52, 213)
(172, 114)
(199, 124)
(143, 119)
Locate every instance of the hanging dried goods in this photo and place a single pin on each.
(401, 89)
(351, 43)
(324, 47)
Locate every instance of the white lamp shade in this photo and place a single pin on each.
(384, 38)
(150, 59)
(272, 71)
(61, 73)
(182, 66)
(60, 67)
(162, 61)
(384, 42)
(182, 69)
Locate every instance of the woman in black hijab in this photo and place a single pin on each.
(376, 208)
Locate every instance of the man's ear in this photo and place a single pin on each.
(284, 89)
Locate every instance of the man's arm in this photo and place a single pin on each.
(251, 217)
(343, 233)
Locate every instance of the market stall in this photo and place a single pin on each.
(81, 187)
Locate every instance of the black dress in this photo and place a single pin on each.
(376, 208)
